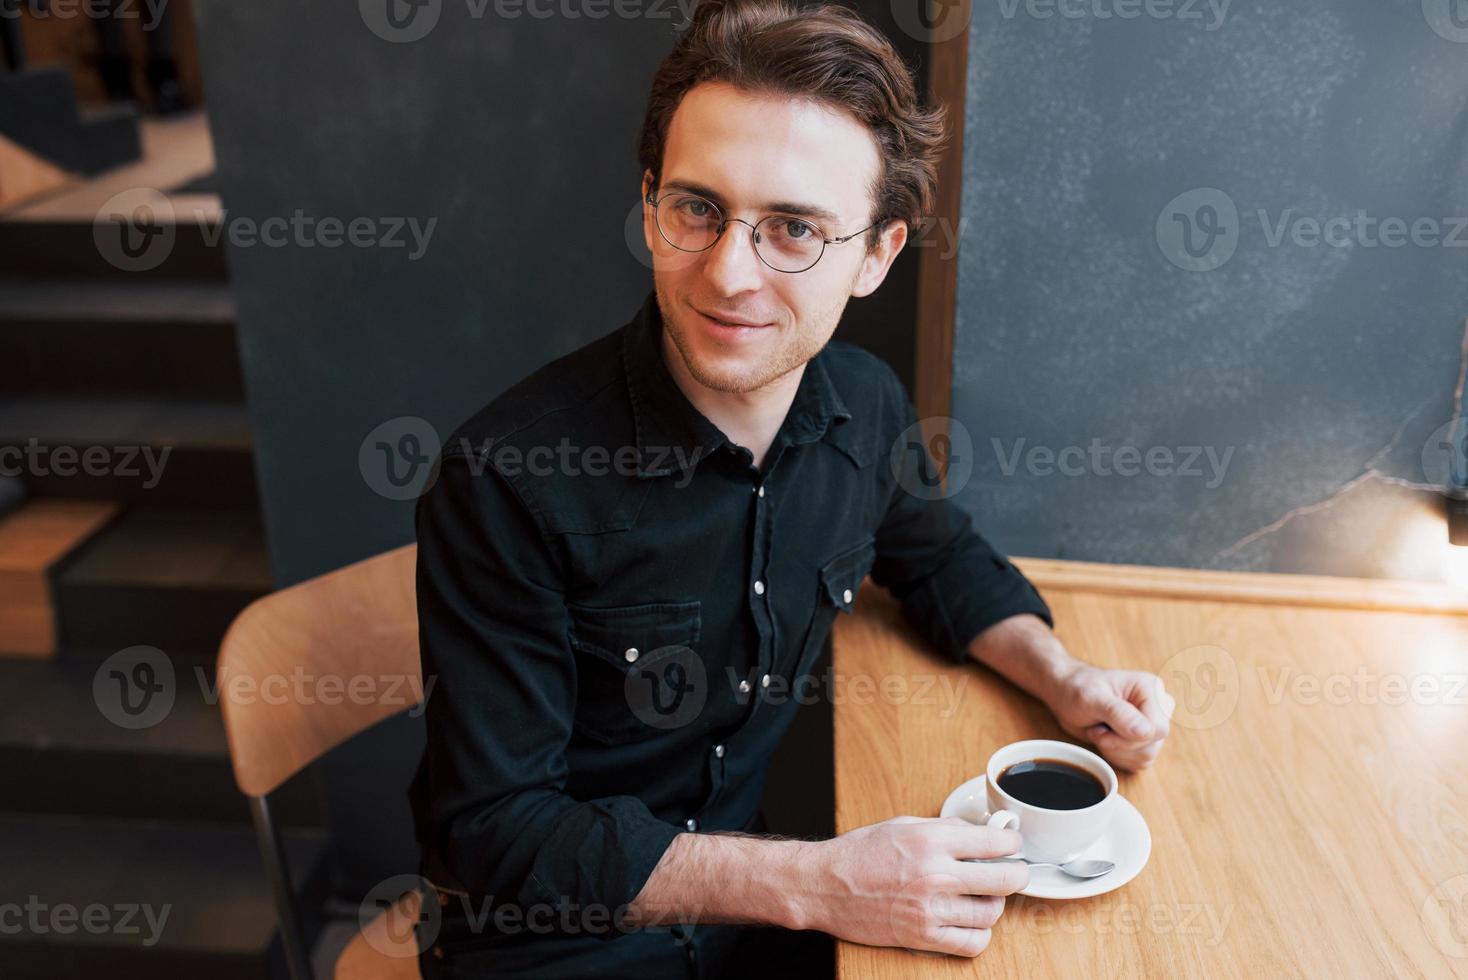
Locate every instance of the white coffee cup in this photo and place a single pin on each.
(1049, 835)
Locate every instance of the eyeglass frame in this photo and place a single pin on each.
(754, 228)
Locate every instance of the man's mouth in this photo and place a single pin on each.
(729, 320)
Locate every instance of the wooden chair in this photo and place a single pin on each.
(361, 620)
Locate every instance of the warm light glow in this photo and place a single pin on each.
(1422, 548)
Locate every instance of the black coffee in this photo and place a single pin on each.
(1052, 784)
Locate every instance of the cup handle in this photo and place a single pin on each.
(1000, 820)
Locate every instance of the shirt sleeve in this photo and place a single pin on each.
(951, 582)
(493, 635)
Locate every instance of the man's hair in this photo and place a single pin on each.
(826, 53)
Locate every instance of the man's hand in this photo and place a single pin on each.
(1124, 713)
(901, 883)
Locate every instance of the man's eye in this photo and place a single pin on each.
(697, 208)
(798, 230)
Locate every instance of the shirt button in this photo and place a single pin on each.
(846, 596)
(691, 824)
(759, 587)
(744, 687)
(761, 491)
(764, 681)
(631, 655)
(718, 751)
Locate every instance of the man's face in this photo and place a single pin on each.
(747, 152)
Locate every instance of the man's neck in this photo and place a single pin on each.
(749, 419)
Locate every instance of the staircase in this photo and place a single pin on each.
(39, 111)
(129, 848)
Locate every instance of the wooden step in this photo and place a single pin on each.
(151, 450)
(149, 338)
(169, 577)
(62, 754)
(34, 541)
(208, 880)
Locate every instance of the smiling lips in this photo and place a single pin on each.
(732, 321)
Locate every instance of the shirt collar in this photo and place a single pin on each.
(672, 434)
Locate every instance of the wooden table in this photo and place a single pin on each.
(1309, 813)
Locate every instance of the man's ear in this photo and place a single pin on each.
(648, 228)
(875, 263)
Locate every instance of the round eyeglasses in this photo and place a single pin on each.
(785, 243)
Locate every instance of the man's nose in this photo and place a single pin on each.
(733, 265)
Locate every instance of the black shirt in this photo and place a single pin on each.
(621, 612)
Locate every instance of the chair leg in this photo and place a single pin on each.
(287, 909)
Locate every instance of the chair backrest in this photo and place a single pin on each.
(304, 669)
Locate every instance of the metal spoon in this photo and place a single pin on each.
(1076, 869)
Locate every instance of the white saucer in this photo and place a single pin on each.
(1127, 841)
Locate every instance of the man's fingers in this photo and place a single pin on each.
(967, 911)
(1127, 755)
(958, 941)
(1123, 717)
(1154, 701)
(969, 841)
(991, 878)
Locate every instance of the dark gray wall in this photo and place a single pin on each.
(518, 138)
(1081, 315)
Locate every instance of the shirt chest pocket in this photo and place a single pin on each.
(838, 583)
(638, 670)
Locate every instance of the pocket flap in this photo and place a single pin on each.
(624, 635)
(841, 577)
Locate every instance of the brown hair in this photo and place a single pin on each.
(825, 52)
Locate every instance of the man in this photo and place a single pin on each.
(609, 630)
